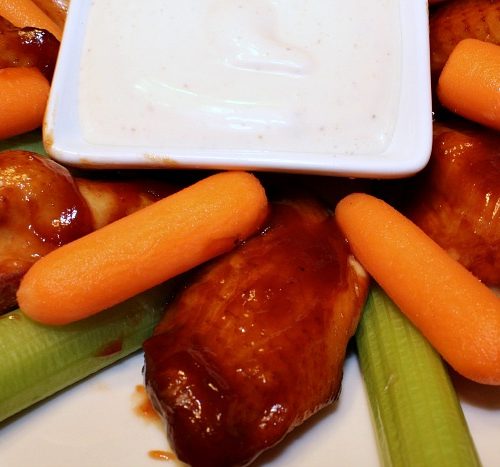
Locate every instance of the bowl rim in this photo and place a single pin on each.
(407, 153)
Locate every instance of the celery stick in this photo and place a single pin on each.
(27, 142)
(36, 361)
(418, 418)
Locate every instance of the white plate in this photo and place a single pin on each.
(95, 424)
(407, 151)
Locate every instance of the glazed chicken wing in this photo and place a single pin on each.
(461, 19)
(458, 202)
(255, 344)
(43, 207)
(28, 47)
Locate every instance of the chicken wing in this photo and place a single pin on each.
(461, 19)
(255, 344)
(458, 202)
(43, 207)
(27, 47)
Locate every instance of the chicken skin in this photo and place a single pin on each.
(461, 19)
(458, 202)
(27, 47)
(255, 343)
(43, 207)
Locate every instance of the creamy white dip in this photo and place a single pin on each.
(250, 75)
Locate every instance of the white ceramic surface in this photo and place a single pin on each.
(95, 424)
(407, 152)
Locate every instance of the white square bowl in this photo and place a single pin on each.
(406, 149)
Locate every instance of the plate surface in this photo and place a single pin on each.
(95, 424)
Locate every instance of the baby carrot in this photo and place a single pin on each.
(143, 249)
(56, 10)
(469, 84)
(23, 97)
(25, 14)
(458, 314)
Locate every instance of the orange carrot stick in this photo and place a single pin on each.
(24, 13)
(458, 314)
(56, 10)
(23, 98)
(469, 84)
(143, 249)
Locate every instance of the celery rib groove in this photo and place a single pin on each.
(416, 412)
(37, 360)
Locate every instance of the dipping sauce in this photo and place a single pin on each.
(248, 76)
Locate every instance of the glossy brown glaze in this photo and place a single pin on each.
(256, 343)
(458, 201)
(43, 207)
(109, 200)
(28, 47)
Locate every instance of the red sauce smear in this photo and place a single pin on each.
(162, 455)
(111, 348)
(144, 408)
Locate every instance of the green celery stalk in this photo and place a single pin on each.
(417, 415)
(36, 360)
(27, 142)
